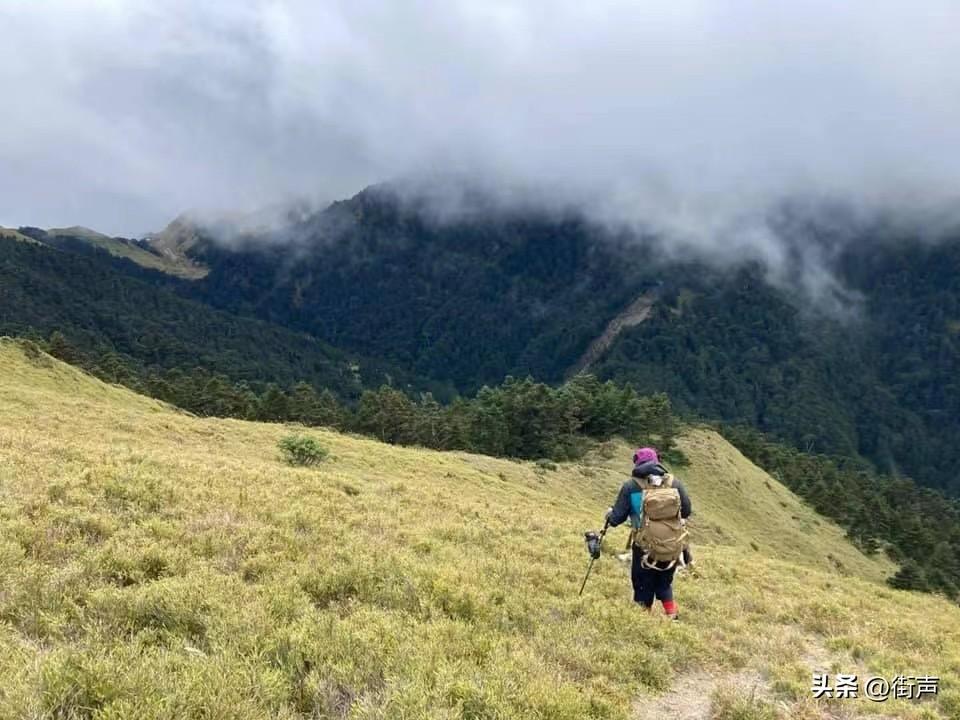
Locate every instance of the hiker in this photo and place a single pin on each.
(657, 506)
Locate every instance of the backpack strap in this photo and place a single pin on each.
(668, 481)
(645, 563)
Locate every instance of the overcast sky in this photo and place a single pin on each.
(690, 115)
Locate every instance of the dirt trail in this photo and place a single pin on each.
(634, 314)
(691, 694)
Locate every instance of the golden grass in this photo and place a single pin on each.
(181, 268)
(740, 506)
(157, 565)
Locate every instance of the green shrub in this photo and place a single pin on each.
(301, 450)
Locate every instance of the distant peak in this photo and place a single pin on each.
(77, 231)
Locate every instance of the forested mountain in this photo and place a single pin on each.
(881, 384)
(114, 313)
(472, 299)
(469, 299)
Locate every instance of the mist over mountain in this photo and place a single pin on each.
(861, 365)
(842, 339)
(779, 136)
(688, 120)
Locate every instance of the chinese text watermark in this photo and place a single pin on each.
(875, 688)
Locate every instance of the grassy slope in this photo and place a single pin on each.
(157, 565)
(740, 506)
(119, 248)
(11, 233)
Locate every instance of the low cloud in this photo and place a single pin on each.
(695, 121)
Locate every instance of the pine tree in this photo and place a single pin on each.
(388, 415)
(329, 411)
(432, 429)
(312, 408)
(274, 405)
(910, 577)
(303, 403)
(61, 348)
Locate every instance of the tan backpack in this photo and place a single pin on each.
(661, 533)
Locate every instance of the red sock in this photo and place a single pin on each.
(670, 607)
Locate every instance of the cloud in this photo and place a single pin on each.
(692, 119)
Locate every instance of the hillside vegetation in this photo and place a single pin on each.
(15, 235)
(131, 331)
(869, 372)
(124, 248)
(158, 565)
(467, 301)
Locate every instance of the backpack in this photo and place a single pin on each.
(662, 534)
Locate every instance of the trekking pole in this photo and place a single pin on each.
(593, 547)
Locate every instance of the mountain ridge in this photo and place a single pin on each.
(123, 314)
(80, 239)
(468, 299)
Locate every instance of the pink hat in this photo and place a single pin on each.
(645, 455)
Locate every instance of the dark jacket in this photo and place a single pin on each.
(629, 500)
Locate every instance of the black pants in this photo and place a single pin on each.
(648, 583)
